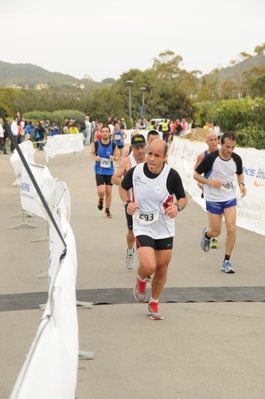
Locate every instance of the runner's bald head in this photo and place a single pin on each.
(159, 144)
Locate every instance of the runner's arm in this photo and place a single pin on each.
(119, 172)
(93, 153)
(240, 180)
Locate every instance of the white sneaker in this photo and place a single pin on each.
(129, 260)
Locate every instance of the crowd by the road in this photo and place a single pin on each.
(39, 130)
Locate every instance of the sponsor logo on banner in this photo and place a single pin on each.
(259, 175)
(189, 152)
(249, 171)
(250, 209)
(25, 187)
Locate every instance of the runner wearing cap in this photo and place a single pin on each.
(137, 156)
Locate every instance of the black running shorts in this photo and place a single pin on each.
(103, 179)
(158, 245)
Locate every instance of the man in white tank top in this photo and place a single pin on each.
(153, 184)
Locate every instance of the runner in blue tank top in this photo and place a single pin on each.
(118, 137)
(104, 152)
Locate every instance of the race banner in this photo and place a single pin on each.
(28, 151)
(28, 194)
(251, 208)
(50, 368)
(63, 144)
(52, 190)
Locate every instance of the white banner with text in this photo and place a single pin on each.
(50, 368)
(63, 144)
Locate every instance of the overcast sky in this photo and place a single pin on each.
(104, 38)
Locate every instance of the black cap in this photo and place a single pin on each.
(137, 140)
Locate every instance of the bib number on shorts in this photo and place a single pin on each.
(146, 218)
(105, 163)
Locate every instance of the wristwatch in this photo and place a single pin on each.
(126, 203)
(243, 184)
(179, 207)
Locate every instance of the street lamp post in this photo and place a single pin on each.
(142, 106)
(130, 83)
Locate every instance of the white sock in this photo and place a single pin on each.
(153, 300)
(130, 251)
(141, 278)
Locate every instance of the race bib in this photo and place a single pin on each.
(146, 218)
(227, 186)
(105, 163)
(117, 137)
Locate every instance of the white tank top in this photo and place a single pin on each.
(150, 195)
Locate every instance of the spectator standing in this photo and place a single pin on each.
(66, 126)
(21, 132)
(97, 135)
(54, 129)
(88, 130)
(14, 130)
(82, 129)
(29, 131)
(165, 130)
(39, 134)
(184, 127)
(123, 124)
(94, 129)
(171, 132)
(1, 136)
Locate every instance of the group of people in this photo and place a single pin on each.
(92, 130)
(168, 128)
(39, 130)
(153, 195)
(22, 130)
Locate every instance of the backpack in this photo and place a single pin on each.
(82, 126)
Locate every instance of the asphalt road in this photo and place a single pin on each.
(210, 343)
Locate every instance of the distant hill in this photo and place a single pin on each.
(28, 74)
(31, 75)
(232, 72)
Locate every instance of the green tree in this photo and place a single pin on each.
(245, 116)
(256, 87)
(167, 65)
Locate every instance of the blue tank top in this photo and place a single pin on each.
(104, 166)
(117, 138)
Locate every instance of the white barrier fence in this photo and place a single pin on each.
(52, 190)
(251, 208)
(63, 144)
(53, 355)
(50, 369)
